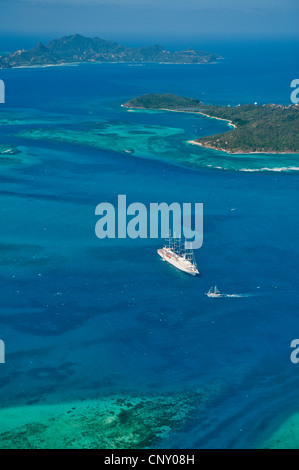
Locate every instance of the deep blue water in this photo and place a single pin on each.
(82, 317)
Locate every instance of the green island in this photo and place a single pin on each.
(79, 49)
(164, 101)
(112, 422)
(267, 128)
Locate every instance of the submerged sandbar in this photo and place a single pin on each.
(113, 422)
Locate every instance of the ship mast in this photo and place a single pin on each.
(190, 256)
(174, 244)
(174, 248)
(169, 241)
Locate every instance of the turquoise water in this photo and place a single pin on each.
(83, 317)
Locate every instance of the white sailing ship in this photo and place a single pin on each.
(214, 292)
(176, 254)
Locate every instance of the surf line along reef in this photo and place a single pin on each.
(267, 128)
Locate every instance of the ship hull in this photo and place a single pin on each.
(177, 262)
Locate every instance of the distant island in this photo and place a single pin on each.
(77, 48)
(268, 128)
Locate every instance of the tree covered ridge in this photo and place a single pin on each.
(259, 128)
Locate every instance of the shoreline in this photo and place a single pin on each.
(229, 122)
(219, 119)
(194, 142)
(102, 62)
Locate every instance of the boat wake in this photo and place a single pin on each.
(215, 293)
(237, 295)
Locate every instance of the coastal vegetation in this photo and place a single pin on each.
(267, 128)
(264, 129)
(163, 101)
